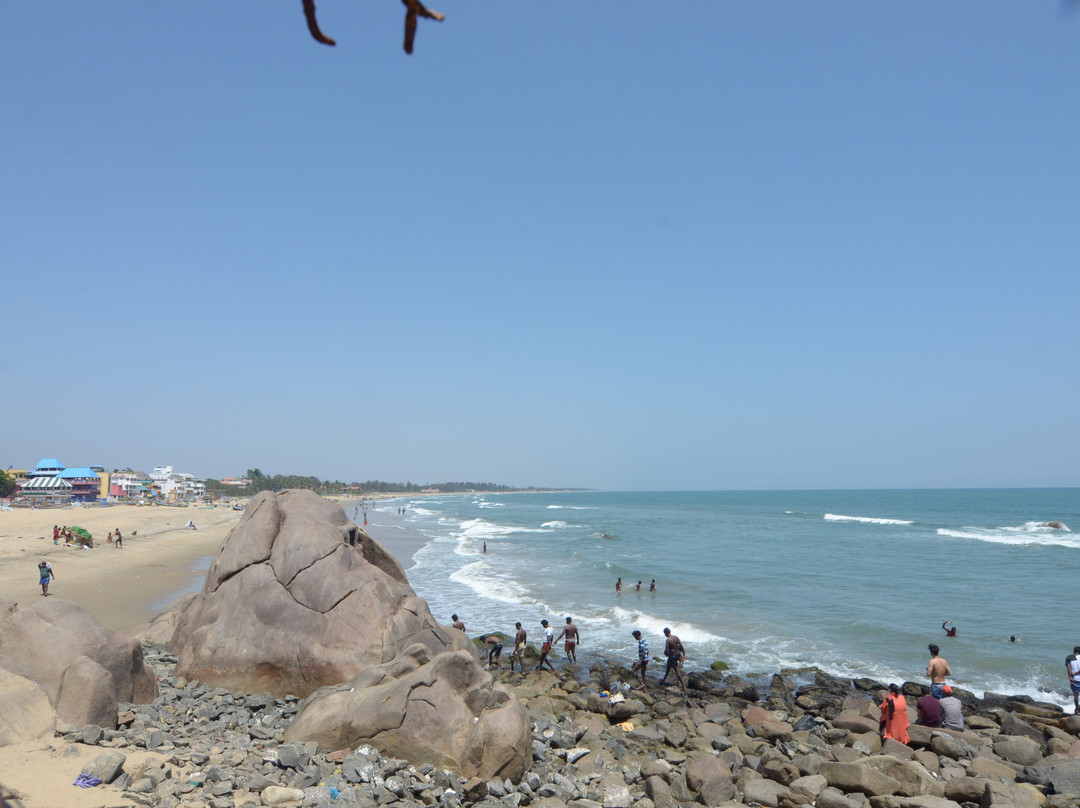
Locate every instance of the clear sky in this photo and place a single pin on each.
(624, 245)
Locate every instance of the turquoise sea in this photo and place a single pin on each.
(854, 582)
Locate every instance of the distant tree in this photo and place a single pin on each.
(7, 484)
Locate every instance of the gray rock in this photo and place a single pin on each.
(107, 766)
(859, 777)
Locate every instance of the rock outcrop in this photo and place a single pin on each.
(297, 598)
(445, 711)
(57, 652)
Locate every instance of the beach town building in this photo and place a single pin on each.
(46, 491)
(46, 467)
(177, 486)
(18, 475)
(85, 483)
(130, 484)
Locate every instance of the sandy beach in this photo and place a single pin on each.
(122, 588)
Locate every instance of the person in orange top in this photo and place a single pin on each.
(894, 717)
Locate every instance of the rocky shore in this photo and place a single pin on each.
(795, 738)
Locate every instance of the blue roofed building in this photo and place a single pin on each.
(85, 483)
(46, 467)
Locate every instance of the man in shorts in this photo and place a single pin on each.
(519, 648)
(1072, 666)
(494, 644)
(545, 649)
(674, 651)
(642, 663)
(570, 631)
(45, 574)
(937, 670)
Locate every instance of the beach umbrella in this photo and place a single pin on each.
(80, 531)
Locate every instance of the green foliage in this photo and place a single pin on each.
(7, 484)
(277, 482)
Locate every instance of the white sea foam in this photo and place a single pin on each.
(651, 625)
(486, 582)
(868, 520)
(1025, 534)
(571, 507)
(557, 524)
(483, 529)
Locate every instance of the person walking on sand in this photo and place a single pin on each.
(457, 622)
(494, 644)
(45, 574)
(937, 670)
(519, 648)
(545, 649)
(118, 540)
(894, 717)
(1072, 667)
(641, 666)
(675, 653)
(570, 631)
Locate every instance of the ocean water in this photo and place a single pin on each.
(856, 583)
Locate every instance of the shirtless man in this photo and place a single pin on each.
(570, 631)
(494, 644)
(457, 622)
(618, 585)
(674, 651)
(937, 670)
(519, 648)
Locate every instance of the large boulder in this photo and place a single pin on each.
(297, 598)
(443, 710)
(83, 669)
(25, 712)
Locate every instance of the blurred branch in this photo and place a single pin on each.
(414, 9)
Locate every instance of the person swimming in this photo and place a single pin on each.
(949, 632)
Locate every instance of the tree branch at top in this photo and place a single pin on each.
(414, 9)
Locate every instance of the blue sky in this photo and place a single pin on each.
(615, 245)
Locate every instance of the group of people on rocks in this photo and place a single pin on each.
(938, 708)
(673, 650)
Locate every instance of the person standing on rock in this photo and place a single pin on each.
(45, 574)
(545, 649)
(641, 666)
(1072, 667)
(937, 670)
(570, 631)
(519, 648)
(457, 622)
(894, 717)
(675, 653)
(952, 712)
